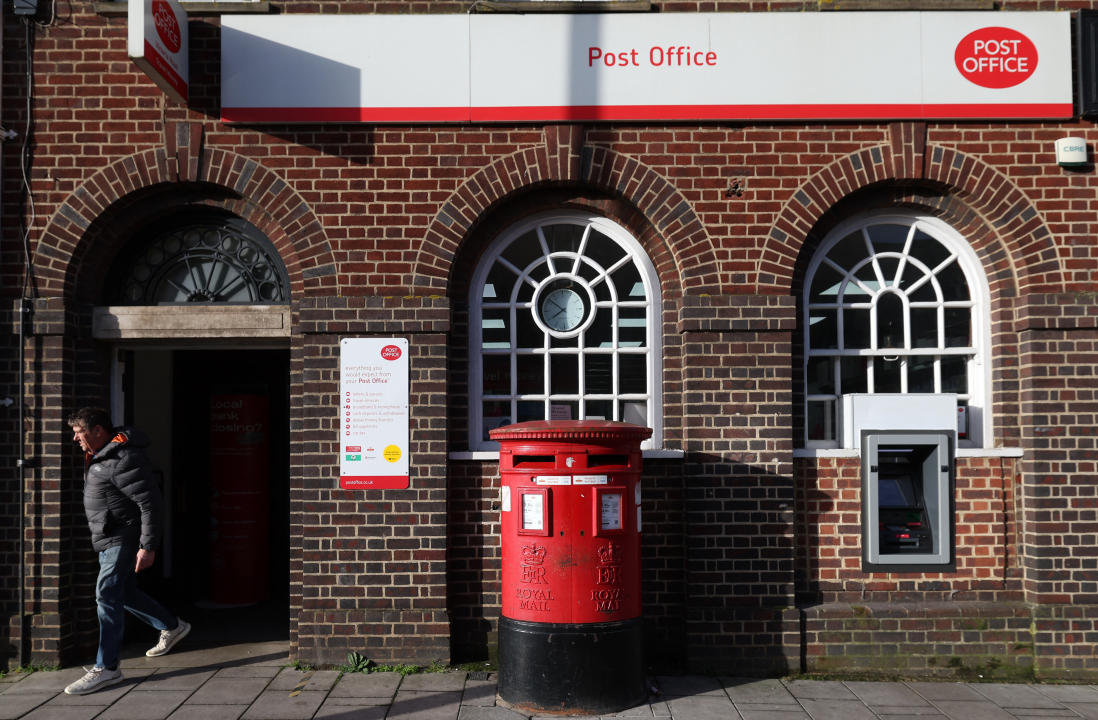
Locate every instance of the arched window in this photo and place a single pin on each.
(564, 324)
(213, 259)
(894, 304)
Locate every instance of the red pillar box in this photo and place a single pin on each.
(570, 630)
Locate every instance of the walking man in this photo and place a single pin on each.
(124, 507)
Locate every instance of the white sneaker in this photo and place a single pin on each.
(168, 639)
(96, 678)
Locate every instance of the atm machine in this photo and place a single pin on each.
(908, 445)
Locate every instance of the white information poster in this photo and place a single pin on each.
(373, 413)
(533, 511)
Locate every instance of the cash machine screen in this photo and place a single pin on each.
(904, 523)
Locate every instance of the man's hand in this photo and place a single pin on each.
(145, 559)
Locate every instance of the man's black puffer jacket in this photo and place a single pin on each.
(121, 497)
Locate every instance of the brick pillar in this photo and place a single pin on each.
(368, 567)
(739, 495)
(1058, 352)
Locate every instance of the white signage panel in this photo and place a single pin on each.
(347, 68)
(158, 43)
(373, 413)
(657, 67)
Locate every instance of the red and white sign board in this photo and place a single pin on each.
(656, 67)
(373, 413)
(158, 42)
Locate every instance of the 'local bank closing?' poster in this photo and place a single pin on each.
(373, 427)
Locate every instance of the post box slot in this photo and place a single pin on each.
(603, 460)
(544, 461)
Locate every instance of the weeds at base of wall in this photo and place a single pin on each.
(359, 663)
(28, 669)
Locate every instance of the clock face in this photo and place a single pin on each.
(562, 309)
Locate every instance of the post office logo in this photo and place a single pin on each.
(391, 352)
(167, 25)
(996, 57)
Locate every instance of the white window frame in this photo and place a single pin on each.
(563, 265)
(978, 368)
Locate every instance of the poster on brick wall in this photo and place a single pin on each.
(373, 413)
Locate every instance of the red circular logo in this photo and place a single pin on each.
(996, 57)
(390, 352)
(167, 27)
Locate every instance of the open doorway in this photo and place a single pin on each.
(219, 424)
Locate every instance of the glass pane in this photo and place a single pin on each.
(564, 410)
(497, 374)
(958, 328)
(599, 410)
(627, 280)
(599, 333)
(494, 330)
(821, 420)
(572, 342)
(634, 411)
(501, 281)
(529, 334)
(495, 414)
(597, 374)
(602, 251)
(854, 375)
(531, 374)
(602, 292)
(890, 321)
(868, 276)
(886, 375)
(924, 327)
(925, 293)
(912, 274)
(525, 292)
(888, 238)
(823, 331)
(952, 279)
(530, 410)
(928, 250)
(889, 267)
(632, 327)
(632, 374)
(564, 374)
(825, 285)
(955, 374)
(856, 329)
(821, 376)
(562, 238)
(920, 374)
(849, 251)
(523, 250)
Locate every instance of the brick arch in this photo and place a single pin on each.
(564, 159)
(81, 241)
(1006, 231)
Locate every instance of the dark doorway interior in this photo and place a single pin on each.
(226, 564)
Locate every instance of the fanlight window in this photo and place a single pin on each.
(564, 324)
(894, 304)
(222, 261)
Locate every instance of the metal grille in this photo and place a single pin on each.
(211, 262)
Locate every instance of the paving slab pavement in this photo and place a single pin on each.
(259, 683)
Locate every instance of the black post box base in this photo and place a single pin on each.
(585, 668)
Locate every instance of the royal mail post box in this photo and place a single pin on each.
(570, 519)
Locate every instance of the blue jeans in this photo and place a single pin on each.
(116, 592)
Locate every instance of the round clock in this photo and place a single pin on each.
(562, 309)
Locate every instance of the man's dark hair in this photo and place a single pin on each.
(89, 417)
